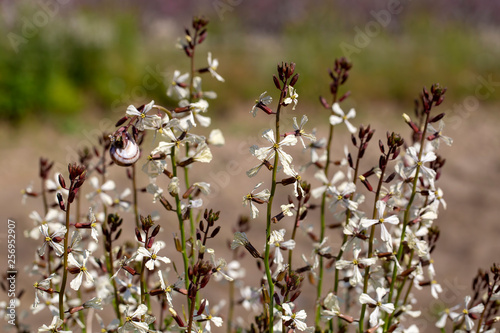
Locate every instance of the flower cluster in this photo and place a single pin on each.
(103, 261)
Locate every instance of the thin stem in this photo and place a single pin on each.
(192, 305)
(142, 281)
(230, 314)
(322, 228)
(181, 222)
(65, 261)
(295, 226)
(134, 191)
(370, 245)
(269, 215)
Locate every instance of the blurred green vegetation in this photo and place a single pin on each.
(98, 60)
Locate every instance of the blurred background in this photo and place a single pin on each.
(69, 69)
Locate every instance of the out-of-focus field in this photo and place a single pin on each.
(74, 77)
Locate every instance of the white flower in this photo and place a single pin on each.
(207, 316)
(133, 321)
(332, 307)
(77, 281)
(327, 184)
(429, 157)
(218, 267)
(298, 319)
(277, 240)
(240, 239)
(387, 307)
(393, 219)
(299, 130)
(216, 138)
(259, 198)
(202, 154)
(177, 86)
(199, 92)
(44, 284)
(167, 289)
(465, 313)
(58, 248)
(173, 186)
(292, 97)
(144, 121)
(416, 243)
(212, 67)
(436, 198)
(262, 103)
(93, 226)
(287, 209)
(267, 153)
(153, 255)
(340, 196)
(51, 219)
(356, 277)
(342, 117)
(120, 200)
(437, 136)
(54, 326)
(100, 191)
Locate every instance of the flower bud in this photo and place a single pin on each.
(276, 82)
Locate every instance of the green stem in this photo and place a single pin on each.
(134, 191)
(295, 226)
(322, 228)
(370, 246)
(142, 281)
(181, 222)
(192, 305)
(230, 314)
(65, 261)
(269, 215)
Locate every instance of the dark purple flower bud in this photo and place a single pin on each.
(156, 230)
(215, 232)
(138, 235)
(61, 181)
(121, 121)
(390, 178)
(353, 139)
(381, 146)
(294, 79)
(347, 94)
(276, 82)
(349, 160)
(323, 102)
(437, 118)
